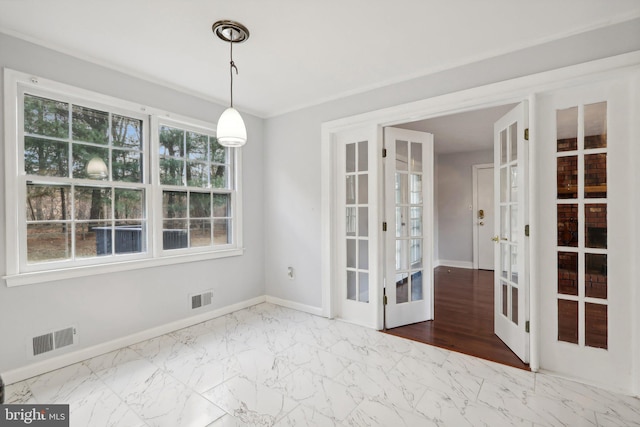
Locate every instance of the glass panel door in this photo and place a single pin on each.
(511, 291)
(408, 207)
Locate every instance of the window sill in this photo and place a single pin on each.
(74, 272)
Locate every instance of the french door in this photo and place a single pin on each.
(511, 290)
(408, 205)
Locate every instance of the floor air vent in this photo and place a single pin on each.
(53, 341)
(201, 300)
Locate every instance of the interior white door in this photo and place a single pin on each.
(511, 291)
(408, 195)
(483, 217)
(588, 321)
(356, 275)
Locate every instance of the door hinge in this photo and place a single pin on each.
(526, 230)
(384, 152)
(384, 299)
(384, 226)
(526, 134)
(526, 326)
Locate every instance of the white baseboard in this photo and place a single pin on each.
(454, 263)
(38, 368)
(295, 305)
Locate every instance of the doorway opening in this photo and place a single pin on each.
(464, 300)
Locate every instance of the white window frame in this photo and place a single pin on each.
(18, 272)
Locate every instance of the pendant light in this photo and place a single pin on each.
(231, 131)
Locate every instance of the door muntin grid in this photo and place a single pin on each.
(509, 182)
(409, 211)
(357, 221)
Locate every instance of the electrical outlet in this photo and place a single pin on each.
(290, 273)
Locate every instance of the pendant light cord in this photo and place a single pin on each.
(232, 66)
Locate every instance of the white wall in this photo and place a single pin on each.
(455, 195)
(292, 151)
(109, 307)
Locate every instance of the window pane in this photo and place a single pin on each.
(415, 221)
(595, 125)
(595, 222)
(174, 234)
(363, 254)
(363, 153)
(90, 125)
(351, 253)
(171, 142)
(402, 287)
(415, 189)
(220, 177)
(363, 189)
(93, 239)
(47, 203)
(46, 117)
(416, 286)
(504, 184)
(174, 205)
(505, 299)
(126, 132)
(363, 222)
(596, 275)
(416, 253)
(567, 177)
(503, 146)
(350, 156)
(128, 236)
(402, 188)
(197, 145)
(200, 205)
(129, 204)
(568, 273)
(218, 152)
(568, 321)
(351, 285)
(514, 305)
(83, 154)
(595, 328)
(513, 137)
(595, 175)
(171, 171)
(127, 165)
(45, 157)
(567, 129)
(351, 221)
(93, 203)
(221, 205)
(222, 231)
(351, 190)
(568, 225)
(514, 264)
(514, 183)
(48, 242)
(197, 174)
(402, 155)
(200, 232)
(363, 287)
(416, 157)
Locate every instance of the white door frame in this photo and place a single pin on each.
(474, 208)
(506, 92)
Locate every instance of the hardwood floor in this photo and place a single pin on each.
(463, 318)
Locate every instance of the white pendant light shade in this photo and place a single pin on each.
(231, 131)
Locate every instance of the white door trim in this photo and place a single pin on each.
(501, 93)
(474, 209)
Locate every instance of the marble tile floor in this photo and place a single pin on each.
(272, 366)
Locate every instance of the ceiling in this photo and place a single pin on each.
(300, 53)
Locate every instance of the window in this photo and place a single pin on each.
(106, 184)
(196, 177)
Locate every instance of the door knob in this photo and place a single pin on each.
(481, 223)
(495, 238)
